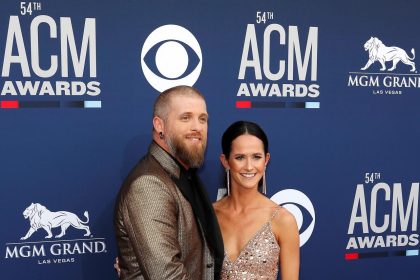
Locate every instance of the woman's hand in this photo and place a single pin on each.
(117, 267)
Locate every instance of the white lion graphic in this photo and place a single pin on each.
(41, 217)
(379, 52)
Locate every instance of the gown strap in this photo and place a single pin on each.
(275, 212)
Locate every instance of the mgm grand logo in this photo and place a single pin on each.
(380, 73)
(49, 250)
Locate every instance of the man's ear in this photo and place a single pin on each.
(158, 124)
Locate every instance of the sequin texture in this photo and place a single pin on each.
(258, 259)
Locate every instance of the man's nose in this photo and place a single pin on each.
(197, 125)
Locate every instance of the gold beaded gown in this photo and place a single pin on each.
(259, 259)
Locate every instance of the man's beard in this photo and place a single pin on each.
(192, 156)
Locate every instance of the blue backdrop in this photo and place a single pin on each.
(78, 80)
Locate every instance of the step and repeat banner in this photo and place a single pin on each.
(334, 84)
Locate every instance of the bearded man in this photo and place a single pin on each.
(165, 225)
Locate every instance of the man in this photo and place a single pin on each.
(165, 224)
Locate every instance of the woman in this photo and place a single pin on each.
(258, 234)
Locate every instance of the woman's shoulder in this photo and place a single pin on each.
(219, 203)
(284, 224)
(267, 203)
(283, 216)
(220, 206)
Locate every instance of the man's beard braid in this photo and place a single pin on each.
(193, 158)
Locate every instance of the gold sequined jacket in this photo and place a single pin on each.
(156, 231)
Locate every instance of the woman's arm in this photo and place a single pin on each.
(287, 234)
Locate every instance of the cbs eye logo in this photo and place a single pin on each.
(167, 56)
(299, 205)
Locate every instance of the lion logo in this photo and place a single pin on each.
(40, 217)
(379, 52)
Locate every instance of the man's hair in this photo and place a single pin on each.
(162, 105)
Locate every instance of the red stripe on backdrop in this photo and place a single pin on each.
(243, 104)
(9, 104)
(351, 256)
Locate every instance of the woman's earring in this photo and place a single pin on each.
(228, 181)
(161, 135)
(264, 186)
